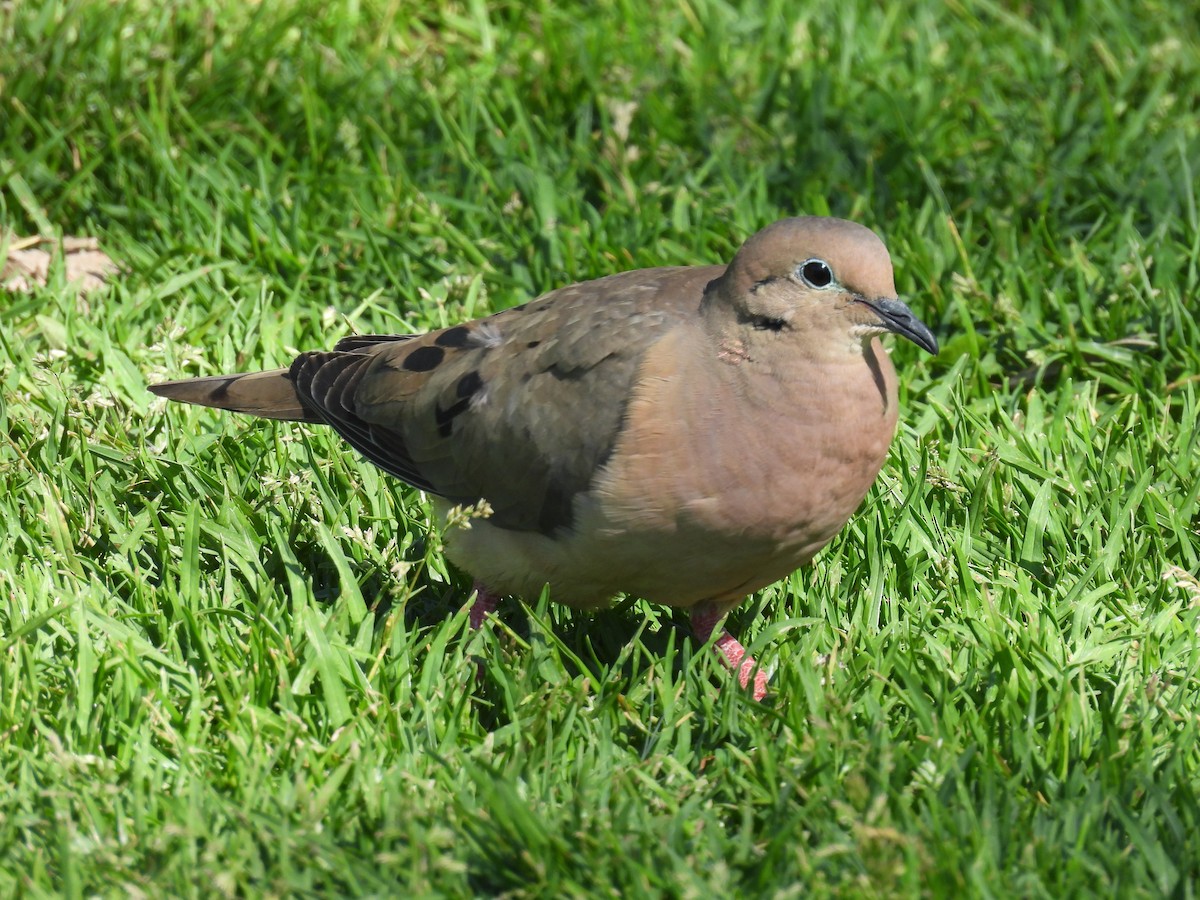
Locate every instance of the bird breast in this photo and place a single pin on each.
(771, 471)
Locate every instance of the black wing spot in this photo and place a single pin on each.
(423, 359)
(445, 417)
(532, 344)
(455, 337)
(469, 385)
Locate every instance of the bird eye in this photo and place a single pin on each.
(816, 273)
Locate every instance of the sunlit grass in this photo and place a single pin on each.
(231, 657)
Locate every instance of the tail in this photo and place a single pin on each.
(269, 395)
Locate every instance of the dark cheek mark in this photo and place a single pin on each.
(424, 358)
(468, 386)
(454, 337)
(532, 344)
(877, 374)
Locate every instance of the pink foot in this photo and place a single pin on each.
(740, 661)
(704, 620)
(484, 605)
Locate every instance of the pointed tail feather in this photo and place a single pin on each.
(269, 395)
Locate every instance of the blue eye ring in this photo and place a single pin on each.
(815, 273)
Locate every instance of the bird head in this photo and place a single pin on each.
(824, 283)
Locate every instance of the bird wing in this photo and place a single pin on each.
(520, 409)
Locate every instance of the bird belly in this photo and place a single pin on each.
(715, 532)
(585, 567)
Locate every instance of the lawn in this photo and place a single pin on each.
(232, 660)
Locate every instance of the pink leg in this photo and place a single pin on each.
(484, 606)
(704, 621)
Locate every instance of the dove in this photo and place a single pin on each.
(687, 435)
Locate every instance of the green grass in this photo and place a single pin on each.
(231, 658)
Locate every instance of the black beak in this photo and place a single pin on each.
(899, 319)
